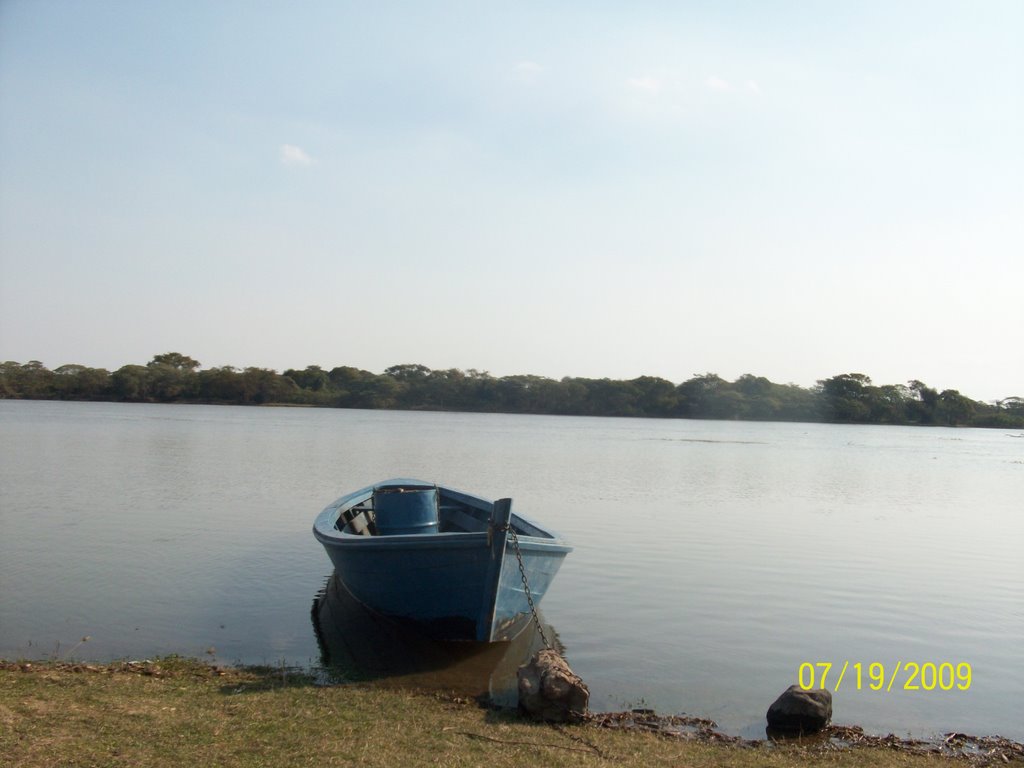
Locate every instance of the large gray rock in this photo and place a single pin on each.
(550, 690)
(800, 711)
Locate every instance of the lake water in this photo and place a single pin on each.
(712, 558)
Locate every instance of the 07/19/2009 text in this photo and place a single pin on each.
(876, 676)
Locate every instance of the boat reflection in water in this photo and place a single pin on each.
(357, 644)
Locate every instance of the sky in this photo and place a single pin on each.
(790, 189)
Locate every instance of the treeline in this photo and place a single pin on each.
(847, 398)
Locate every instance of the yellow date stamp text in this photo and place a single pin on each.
(876, 676)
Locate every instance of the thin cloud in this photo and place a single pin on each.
(294, 157)
(718, 84)
(645, 84)
(753, 86)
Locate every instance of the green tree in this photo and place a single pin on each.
(753, 386)
(175, 360)
(1014, 405)
(313, 377)
(172, 376)
(8, 378)
(78, 382)
(922, 408)
(412, 379)
(519, 394)
(954, 409)
(889, 404)
(654, 396)
(130, 383)
(263, 385)
(709, 396)
(32, 380)
(445, 390)
(408, 372)
(378, 392)
(759, 398)
(356, 388)
(847, 397)
(797, 403)
(221, 385)
(608, 397)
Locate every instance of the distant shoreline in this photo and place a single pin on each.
(850, 398)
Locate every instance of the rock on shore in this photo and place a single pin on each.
(550, 690)
(800, 711)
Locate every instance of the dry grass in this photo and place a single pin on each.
(175, 713)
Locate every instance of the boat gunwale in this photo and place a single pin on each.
(327, 533)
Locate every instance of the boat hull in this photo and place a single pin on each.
(456, 585)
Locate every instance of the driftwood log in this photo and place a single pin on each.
(550, 690)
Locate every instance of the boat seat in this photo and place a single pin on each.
(356, 521)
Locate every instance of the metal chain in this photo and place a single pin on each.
(540, 630)
(526, 587)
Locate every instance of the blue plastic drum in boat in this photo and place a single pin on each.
(401, 510)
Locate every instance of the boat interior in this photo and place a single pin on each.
(403, 511)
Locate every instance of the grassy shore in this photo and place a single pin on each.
(175, 712)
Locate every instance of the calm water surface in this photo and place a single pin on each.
(712, 558)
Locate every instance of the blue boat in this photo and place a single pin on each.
(444, 559)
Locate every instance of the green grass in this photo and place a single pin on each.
(178, 713)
